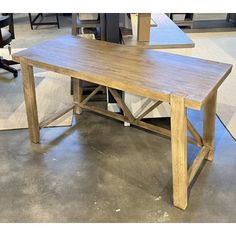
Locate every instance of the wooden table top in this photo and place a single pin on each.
(143, 72)
(165, 34)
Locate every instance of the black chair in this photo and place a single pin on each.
(6, 36)
(33, 21)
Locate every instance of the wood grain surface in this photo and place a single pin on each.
(144, 72)
(179, 151)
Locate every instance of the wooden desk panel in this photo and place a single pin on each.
(143, 72)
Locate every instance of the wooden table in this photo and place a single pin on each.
(164, 33)
(184, 82)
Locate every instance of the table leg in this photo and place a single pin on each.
(179, 151)
(77, 94)
(209, 124)
(30, 101)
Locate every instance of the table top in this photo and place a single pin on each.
(143, 72)
(163, 34)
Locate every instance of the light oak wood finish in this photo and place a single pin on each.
(74, 23)
(182, 81)
(194, 133)
(209, 124)
(215, 46)
(128, 117)
(143, 72)
(142, 124)
(30, 100)
(151, 108)
(77, 94)
(122, 105)
(193, 141)
(144, 24)
(179, 150)
(92, 94)
(197, 163)
(48, 120)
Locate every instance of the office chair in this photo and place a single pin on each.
(6, 36)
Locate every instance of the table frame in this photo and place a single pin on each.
(181, 174)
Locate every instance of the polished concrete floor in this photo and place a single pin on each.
(100, 171)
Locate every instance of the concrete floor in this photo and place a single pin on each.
(99, 171)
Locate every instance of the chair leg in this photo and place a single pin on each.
(4, 64)
(30, 18)
(9, 62)
(58, 25)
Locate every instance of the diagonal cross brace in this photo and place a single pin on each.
(122, 105)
